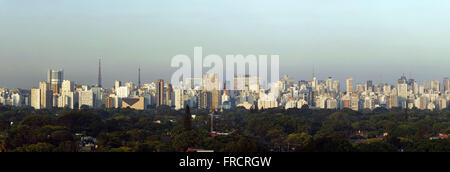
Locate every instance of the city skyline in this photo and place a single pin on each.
(95, 80)
(377, 41)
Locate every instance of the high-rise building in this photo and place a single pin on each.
(86, 98)
(169, 95)
(205, 100)
(123, 92)
(336, 85)
(179, 98)
(160, 93)
(67, 86)
(46, 95)
(36, 98)
(55, 79)
(369, 86)
(68, 99)
(446, 84)
(329, 84)
(349, 85)
(117, 84)
(435, 85)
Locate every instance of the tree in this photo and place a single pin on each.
(187, 121)
(38, 147)
(298, 141)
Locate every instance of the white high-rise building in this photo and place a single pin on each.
(86, 98)
(67, 86)
(123, 92)
(179, 99)
(117, 84)
(68, 99)
(36, 98)
(16, 99)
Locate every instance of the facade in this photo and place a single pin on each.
(55, 79)
(36, 98)
(86, 98)
(160, 93)
(349, 84)
(46, 95)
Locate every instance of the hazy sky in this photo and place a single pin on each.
(365, 39)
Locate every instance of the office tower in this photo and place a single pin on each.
(98, 96)
(109, 102)
(123, 92)
(359, 88)
(435, 85)
(55, 78)
(46, 95)
(427, 85)
(86, 98)
(215, 99)
(402, 80)
(179, 99)
(354, 102)
(314, 83)
(402, 91)
(117, 84)
(349, 84)
(67, 86)
(160, 93)
(99, 72)
(329, 84)
(68, 99)
(331, 103)
(130, 85)
(169, 95)
(336, 86)
(446, 84)
(369, 86)
(205, 100)
(36, 98)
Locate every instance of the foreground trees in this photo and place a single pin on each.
(163, 130)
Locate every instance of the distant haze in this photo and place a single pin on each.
(375, 40)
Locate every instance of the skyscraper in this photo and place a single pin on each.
(369, 85)
(117, 84)
(446, 84)
(55, 78)
(67, 86)
(160, 93)
(336, 86)
(169, 95)
(36, 98)
(86, 98)
(46, 95)
(349, 84)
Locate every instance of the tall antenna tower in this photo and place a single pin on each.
(139, 77)
(100, 72)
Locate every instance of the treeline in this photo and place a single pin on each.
(239, 130)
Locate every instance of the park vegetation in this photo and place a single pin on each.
(270, 130)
